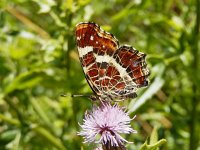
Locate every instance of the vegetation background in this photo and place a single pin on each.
(39, 62)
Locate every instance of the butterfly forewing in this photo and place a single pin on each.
(93, 44)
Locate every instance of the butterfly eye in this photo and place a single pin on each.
(146, 83)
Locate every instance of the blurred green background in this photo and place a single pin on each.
(39, 62)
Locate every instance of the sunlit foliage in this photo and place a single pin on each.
(39, 62)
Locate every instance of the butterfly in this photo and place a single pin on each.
(113, 72)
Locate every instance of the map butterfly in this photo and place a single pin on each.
(113, 72)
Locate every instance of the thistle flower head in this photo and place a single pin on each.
(107, 121)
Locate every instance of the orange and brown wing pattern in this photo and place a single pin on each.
(91, 35)
(113, 72)
(126, 72)
(92, 43)
(135, 64)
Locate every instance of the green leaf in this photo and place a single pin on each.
(9, 120)
(15, 143)
(154, 146)
(40, 111)
(8, 136)
(23, 81)
(45, 5)
(154, 136)
(49, 137)
(20, 47)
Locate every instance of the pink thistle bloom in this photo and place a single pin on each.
(108, 122)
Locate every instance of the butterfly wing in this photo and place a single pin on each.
(133, 72)
(126, 72)
(94, 45)
(112, 72)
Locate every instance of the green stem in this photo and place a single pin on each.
(193, 122)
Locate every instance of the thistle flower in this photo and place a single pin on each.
(107, 121)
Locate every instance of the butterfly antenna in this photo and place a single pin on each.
(65, 95)
(91, 97)
(74, 95)
(80, 95)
